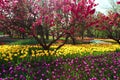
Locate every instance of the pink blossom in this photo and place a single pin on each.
(22, 30)
(116, 15)
(103, 28)
(72, 30)
(111, 22)
(92, 11)
(118, 2)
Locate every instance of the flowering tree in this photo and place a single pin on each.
(17, 15)
(43, 18)
(5, 16)
(67, 15)
(85, 17)
(110, 24)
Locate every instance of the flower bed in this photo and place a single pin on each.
(86, 62)
(16, 52)
(104, 67)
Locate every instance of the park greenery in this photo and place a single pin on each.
(58, 40)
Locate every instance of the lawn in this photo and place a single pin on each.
(71, 62)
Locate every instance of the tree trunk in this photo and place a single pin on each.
(73, 39)
(53, 36)
(82, 35)
(23, 35)
(46, 47)
(10, 34)
(47, 34)
(118, 41)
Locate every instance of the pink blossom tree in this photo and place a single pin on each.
(66, 16)
(43, 18)
(17, 15)
(110, 24)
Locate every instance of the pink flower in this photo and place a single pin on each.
(103, 28)
(116, 15)
(22, 30)
(118, 2)
(92, 11)
(110, 22)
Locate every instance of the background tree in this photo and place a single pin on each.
(86, 17)
(19, 15)
(5, 16)
(110, 24)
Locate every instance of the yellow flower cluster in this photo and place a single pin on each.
(8, 52)
(87, 48)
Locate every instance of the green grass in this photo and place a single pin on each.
(24, 42)
(1, 33)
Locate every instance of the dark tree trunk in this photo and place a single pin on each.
(73, 39)
(10, 34)
(47, 33)
(23, 35)
(118, 41)
(46, 47)
(82, 35)
(53, 36)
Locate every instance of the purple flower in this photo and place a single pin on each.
(114, 72)
(16, 75)
(11, 72)
(115, 77)
(94, 78)
(104, 79)
(38, 72)
(1, 78)
(43, 75)
(69, 70)
(69, 76)
(3, 70)
(53, 72)
(54, 77)
(118, 61)
(10, 68)
(77, 69)
(21, 77)
(84, 63)
(31, 72)
(18, 68)
(103, 69)
(58, 76)
(73, 78)
(11, 78)
(35, 78)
